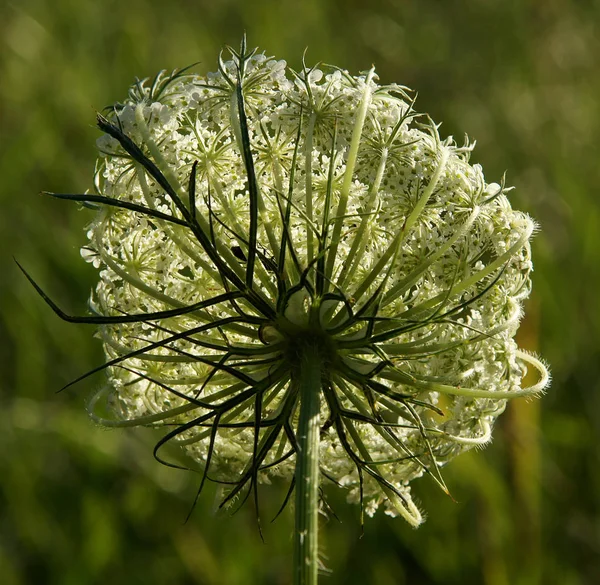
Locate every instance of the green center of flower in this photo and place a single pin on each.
(315, 339)
(305, 325)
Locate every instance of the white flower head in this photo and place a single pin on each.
(256, 211)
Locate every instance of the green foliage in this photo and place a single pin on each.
(83, 505)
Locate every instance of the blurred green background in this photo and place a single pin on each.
(83, 505)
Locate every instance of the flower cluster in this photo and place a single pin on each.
(249, 214)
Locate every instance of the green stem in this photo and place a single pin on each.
(307, 468)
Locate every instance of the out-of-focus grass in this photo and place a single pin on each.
(85, 505)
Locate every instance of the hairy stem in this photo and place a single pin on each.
(307, 468)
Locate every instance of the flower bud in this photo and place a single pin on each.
(257, 209)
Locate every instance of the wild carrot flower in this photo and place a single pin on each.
(260, 231)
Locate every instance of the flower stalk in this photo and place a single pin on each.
(308, 378)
